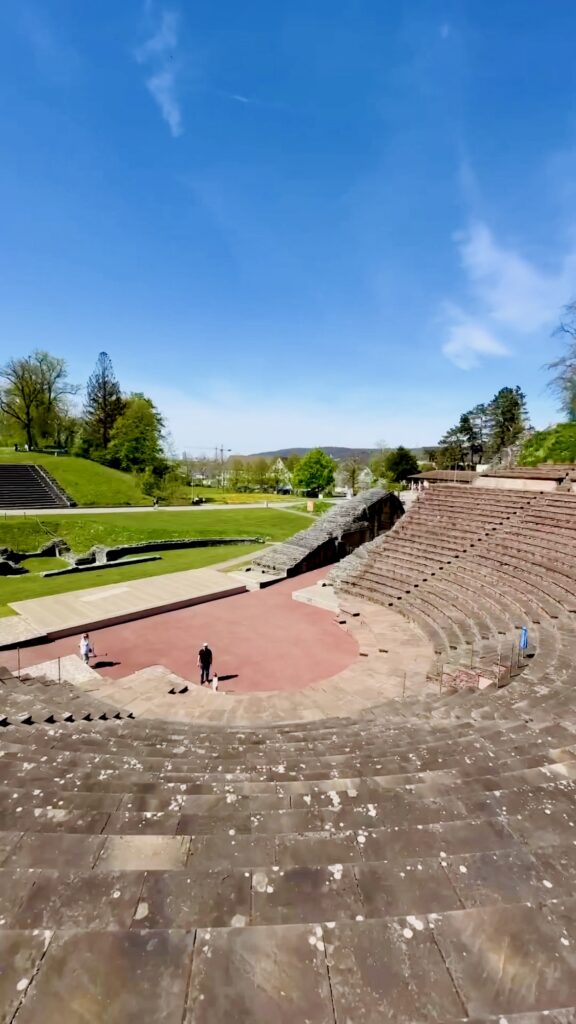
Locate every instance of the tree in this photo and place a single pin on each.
(315, 472)
(136, 438)
(21, 393)
(104, 404)
(377, 461)
(451, 451)
(351, 469)
(563, 383)
(292, 462)
(483, 431)
(508, 418)
(399, 464)
(258, 470)
(237, 469)
(33, 393)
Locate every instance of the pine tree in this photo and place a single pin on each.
(104, 404)
(508, 418)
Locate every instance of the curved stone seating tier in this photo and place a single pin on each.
(412, 861)
(466, 579)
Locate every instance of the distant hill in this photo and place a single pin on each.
(340, 454)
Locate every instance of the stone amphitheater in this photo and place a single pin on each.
(407, 859)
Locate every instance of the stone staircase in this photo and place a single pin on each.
(27, 486)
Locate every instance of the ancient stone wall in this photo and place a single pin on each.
(333, 536)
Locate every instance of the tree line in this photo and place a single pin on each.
(125, 431)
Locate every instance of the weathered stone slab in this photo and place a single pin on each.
(259, 974)
(179, 899)
(143, 853)
(237, 851)
(506, 876)
(506, 959)
(431, 840)
(209, 824)
(557, 864)
(96, 900)
(300, 895)
(111, 978)
(391, 971)
(15, 885)
(319, 849)
(20, 953)
(42, 850)
(146, 823)
(406, 887)
(8, 841)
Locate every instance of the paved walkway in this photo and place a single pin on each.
(87, 510)
(63, 614)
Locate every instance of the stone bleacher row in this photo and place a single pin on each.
(415, 865)
(472, 566)
(28, 486)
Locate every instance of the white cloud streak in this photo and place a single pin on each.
(508, 293)
(468, 340)
(158, 53)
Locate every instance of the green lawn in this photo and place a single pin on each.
(21, 588)
(320, 507)
(44, 564)
(27, 533)
(82, 531)
(87, 483)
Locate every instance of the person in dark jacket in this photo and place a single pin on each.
(204, 663)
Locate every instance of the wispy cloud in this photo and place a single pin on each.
(468, 340)
(508, 292)
(158, 53)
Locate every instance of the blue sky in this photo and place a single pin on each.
(295, 222)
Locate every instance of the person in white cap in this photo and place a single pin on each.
(86, 649)
(204, 663)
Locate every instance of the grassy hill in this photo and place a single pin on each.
(87, 483)
(558, 445)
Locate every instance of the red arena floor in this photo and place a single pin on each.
(261, 640)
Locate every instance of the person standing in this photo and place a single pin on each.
(86, 650)
(204, 663)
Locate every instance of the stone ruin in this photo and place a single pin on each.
(101, 556)
(333, 536)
